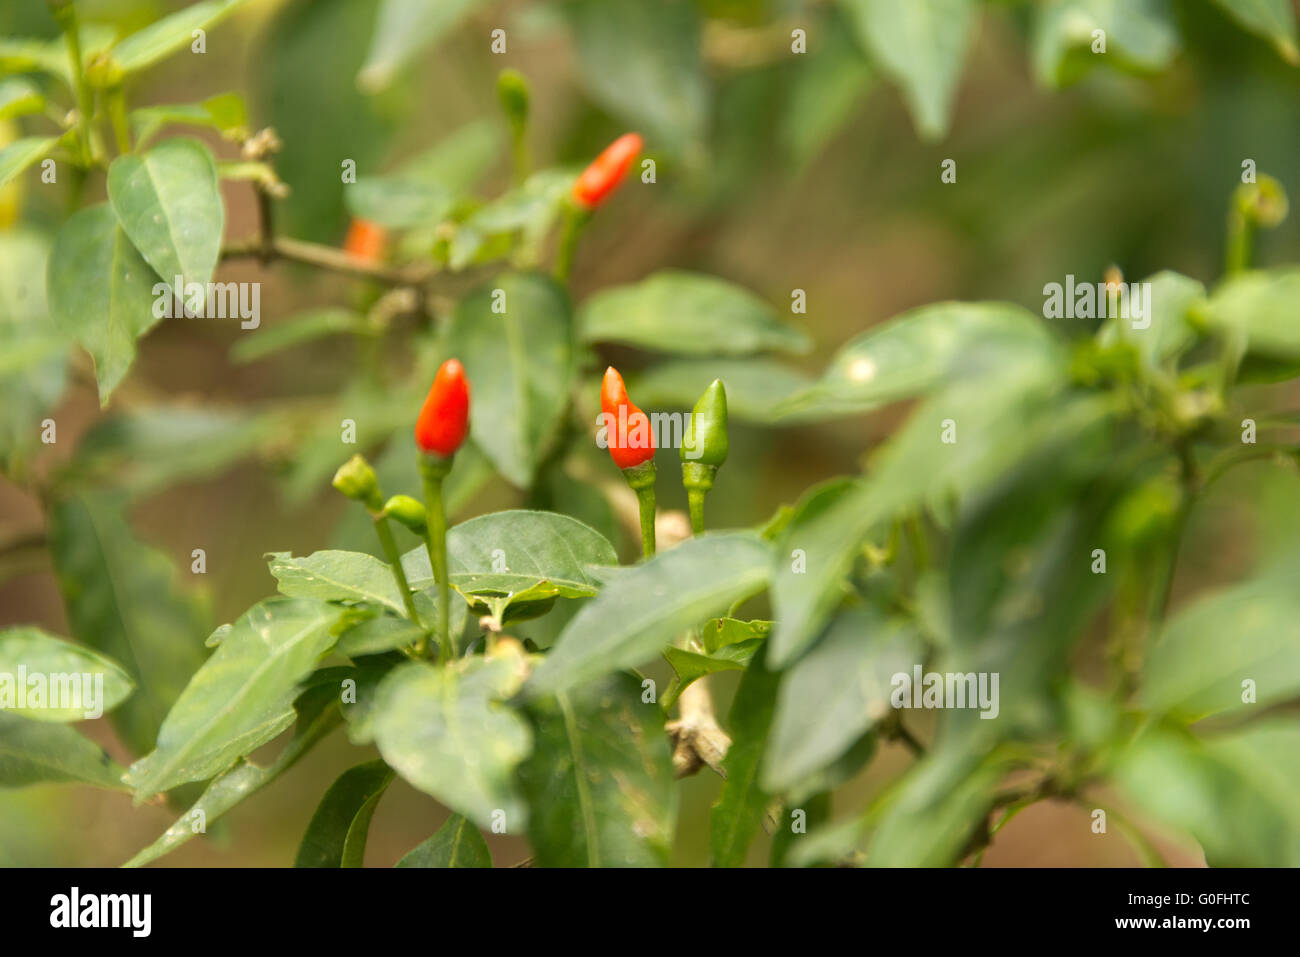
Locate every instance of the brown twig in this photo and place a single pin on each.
(328, 257)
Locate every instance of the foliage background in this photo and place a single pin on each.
(1116, 168)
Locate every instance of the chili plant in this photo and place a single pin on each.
(1022, 525)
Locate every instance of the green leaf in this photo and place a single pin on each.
(336, 836)
(642, 63)
(164, 37)
(600, 781)
(337, 576)
(1263, 307)
(921, 350)
(122, 599)
(691, 665)
(96, 683)
(521, 218)
(33, 752)
(828, 84)
(1004, 420)
(354, 576)
(927, 819)
(398, 203)
(1235, 792)
(243, 695)
(101, 292)
(687, 313)
(318, 714)
(756, 387)
(357, 127)
(814, 813)
(374, 636)
(146, 448)
(720, 632)
(517, 555)
(921, 45)
(19, 96)
(521, 363)
(444, 731)
(168, 203)
(359, 706)
(225, 112)
(458, 843)
(29, 54)
(738, 813)
(1194, 670)
(814, 552)
(643, 609)
(1021, 585)
(1274, 20)
(1140, 37)
(20, 154)
(33, 352)
(402, 29)
(1167, 332)
(458, 160)
(835, 694)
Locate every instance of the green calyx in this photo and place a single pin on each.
(704, 441)
(409, 511)
(641, 476)
(356, 479)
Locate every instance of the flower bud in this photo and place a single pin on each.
(409, 511)
(356, 479)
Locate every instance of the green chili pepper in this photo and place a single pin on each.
(704, 448)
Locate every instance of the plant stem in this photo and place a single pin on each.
(695, 499)
(67, 17)
(575, 219)
(117, 116)
(434, 470)
(645, 500)
(389, 544)
(519, 154)
(327, 257)
(1241, 236)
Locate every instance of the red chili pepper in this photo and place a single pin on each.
(606, 171)
(366, 240)
(444, 419)
(627, 428)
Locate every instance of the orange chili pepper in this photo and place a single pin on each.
(606, 171)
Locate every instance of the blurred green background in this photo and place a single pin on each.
(776, 170)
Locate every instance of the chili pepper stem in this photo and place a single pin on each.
(695, 500)
(645, 499)
(1241, 236)
(389, 545)
(433, 469)
(641, 479)
(698, 478)
(575, 220)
